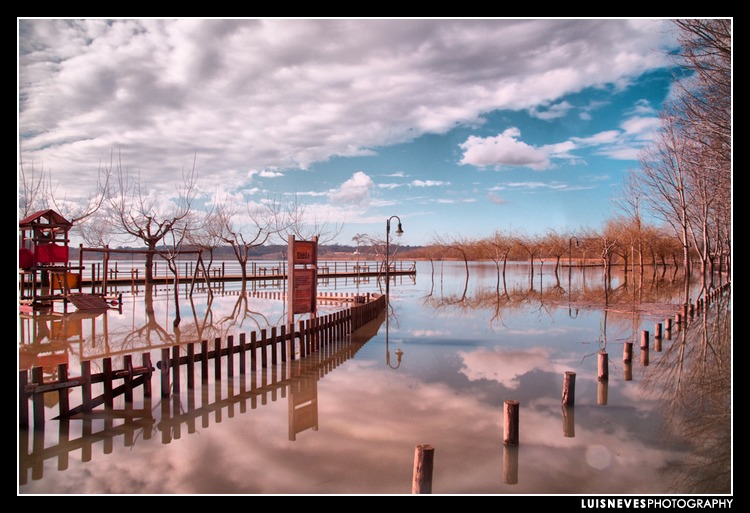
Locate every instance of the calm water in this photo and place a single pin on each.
(437, 371)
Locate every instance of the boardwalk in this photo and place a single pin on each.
(125, 273)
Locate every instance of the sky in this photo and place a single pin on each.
(459, 127)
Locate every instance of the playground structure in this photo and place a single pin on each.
(45, 273)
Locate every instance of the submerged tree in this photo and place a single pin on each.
(141, 214)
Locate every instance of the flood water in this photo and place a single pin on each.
(437, 371)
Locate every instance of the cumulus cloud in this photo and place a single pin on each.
(355, 191)
(504, 149)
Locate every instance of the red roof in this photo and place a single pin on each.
(52, 218)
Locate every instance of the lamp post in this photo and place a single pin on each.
(570, 264)
(570, 250)
(399, 232)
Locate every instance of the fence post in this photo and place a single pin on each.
(274, 341)
(86, 386)
(253, 350)
(147, 380)
(165, 372)
(263, 349)
(242, 353)
(230, 356)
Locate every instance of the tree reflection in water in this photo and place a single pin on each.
(693, 381)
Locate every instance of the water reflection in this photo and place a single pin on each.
(473, 341)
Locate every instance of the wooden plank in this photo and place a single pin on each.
(88, 302)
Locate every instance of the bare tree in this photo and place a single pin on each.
(463, 246)
(303, 224)
(664, 180)
(36, 191)
(531, 247)
(138, 213)
(556, 245)
(499, 247)
(247, 232)
(205, 235)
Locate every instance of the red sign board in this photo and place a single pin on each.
(304, 291)
(304, 252)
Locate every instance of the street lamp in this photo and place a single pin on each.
(570, 250)
(399, 232)
(570, 263)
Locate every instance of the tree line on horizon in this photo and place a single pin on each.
(683, 179)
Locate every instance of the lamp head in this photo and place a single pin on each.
(399, 231)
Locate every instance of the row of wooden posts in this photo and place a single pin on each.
(277, 344)
(424, 454)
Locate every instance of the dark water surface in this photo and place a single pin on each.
(436, 371)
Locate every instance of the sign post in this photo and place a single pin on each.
(302, 282)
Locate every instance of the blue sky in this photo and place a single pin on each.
(460, 127)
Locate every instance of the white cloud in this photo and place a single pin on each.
(355, 191)
(428, 183)
(640, 126)
(547, 112)
(286, 93)
(503, 150)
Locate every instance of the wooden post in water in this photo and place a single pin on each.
(603, 366)
(627, 352)
(422, 476)
(569, 389)
(510, 436)
(657, 330)
(644, 339)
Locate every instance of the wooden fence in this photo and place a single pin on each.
(265, 348)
